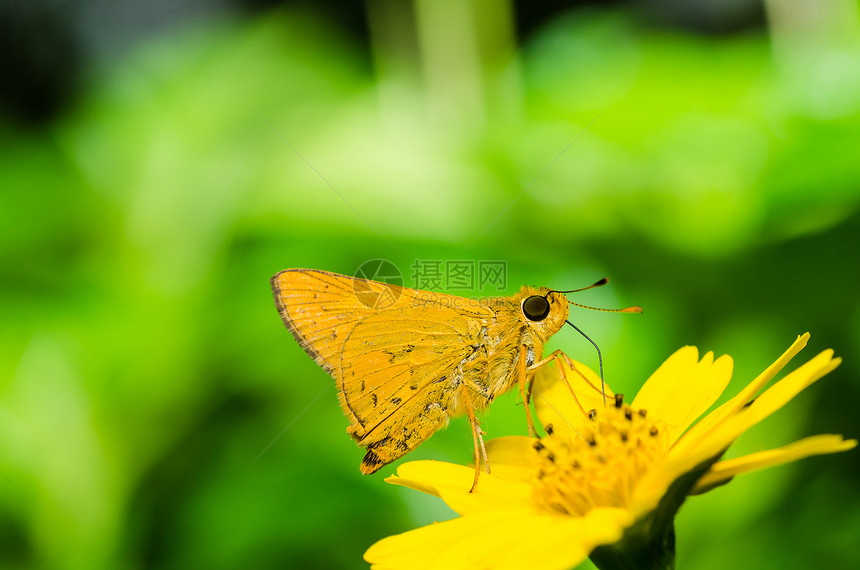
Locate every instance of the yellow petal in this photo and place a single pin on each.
(513, 457)
(697, 446)
(783, 391)
(509, 539)
(452, 483)
(564, 543)
(651, 488)
(703, 445)
(513, 450)
(722, 471)
(425, 475)
(748, 393)
(683, 388)
(491, 493)
(556, 405)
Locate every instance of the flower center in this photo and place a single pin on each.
(600, 465)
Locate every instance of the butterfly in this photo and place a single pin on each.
(405, 361)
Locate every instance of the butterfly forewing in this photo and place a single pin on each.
(319, 308)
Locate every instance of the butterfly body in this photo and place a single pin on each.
(405, 366)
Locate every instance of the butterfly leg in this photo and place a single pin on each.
(477, 437)
(558, 356)
(526, 388)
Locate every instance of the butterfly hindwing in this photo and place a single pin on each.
(396, 366)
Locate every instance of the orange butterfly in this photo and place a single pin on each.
(405, 360)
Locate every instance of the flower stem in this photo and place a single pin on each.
(638, 550)
(650, 543)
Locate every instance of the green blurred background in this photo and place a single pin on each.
(161, 161)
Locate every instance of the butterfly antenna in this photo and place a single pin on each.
(633, 309)
(599, 283)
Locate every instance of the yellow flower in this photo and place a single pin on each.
(606, 481)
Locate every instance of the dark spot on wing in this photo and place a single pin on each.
(371, 461)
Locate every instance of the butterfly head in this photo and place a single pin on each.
(546, 310)
(543, 310)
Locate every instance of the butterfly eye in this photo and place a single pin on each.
(536, 308)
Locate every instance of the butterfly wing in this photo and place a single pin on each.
(395, 353)
(398, 381)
